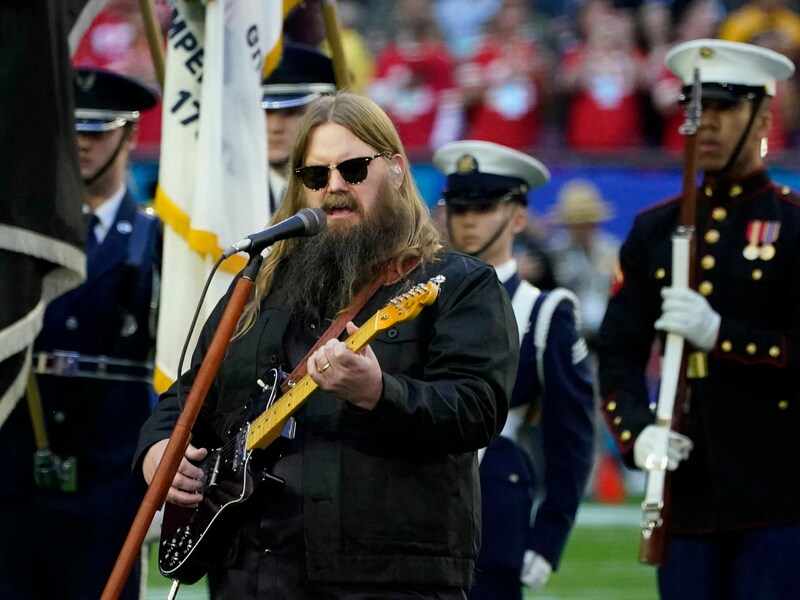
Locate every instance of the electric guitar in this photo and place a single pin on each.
(237, 474)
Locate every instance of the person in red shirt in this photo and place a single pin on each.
(603, 79)
(504, 84)
(414, 81)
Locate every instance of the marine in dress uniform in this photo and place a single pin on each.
(62, 535)
(302, 75)
(735, 494)
(543, 456)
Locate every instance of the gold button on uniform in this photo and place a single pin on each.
(783, 404)
(611, 406)
(719, 214)
(625, 435)
(705, 288)
(617, 420)
(708, 262)
(513, 478)
(751, 348)
(708, 191)
(712, 236)
(735, 191)
(757, 274)
(660, 273)
(786, 190)
(726, 346)
(774, 351)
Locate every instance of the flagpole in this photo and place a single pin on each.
(333, 31)
(157, 491)
(155, 40)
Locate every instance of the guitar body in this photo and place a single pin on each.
(194, 539)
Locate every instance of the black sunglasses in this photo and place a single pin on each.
(352, 170)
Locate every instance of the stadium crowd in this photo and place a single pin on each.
(530, 74)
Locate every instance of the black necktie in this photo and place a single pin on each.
(91, 221)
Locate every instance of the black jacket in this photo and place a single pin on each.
(744, 417)
(390, 495)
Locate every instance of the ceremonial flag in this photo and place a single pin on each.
(212, 187)
(41, 228)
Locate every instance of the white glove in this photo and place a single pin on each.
(649, 447)
(688, 314)
(535, 570)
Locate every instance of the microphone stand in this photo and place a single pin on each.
(156, 493)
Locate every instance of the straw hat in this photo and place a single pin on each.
(580, 202)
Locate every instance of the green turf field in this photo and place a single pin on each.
(599, 562)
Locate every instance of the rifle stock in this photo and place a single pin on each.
(673, 397)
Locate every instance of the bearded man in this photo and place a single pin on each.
(381, 496)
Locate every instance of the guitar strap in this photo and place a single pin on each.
(385, 277)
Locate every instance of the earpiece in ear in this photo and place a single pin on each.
(397, 170)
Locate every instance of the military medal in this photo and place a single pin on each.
(769, 235)
(751, 251)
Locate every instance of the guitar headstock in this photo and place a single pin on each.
(408, 305)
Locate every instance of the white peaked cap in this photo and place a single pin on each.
(729, 63)
(487, 158)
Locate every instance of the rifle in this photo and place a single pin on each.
(673, 393)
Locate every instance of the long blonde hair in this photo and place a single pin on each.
(367, 121)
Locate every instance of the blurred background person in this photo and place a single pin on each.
(414, 81)
(757, 17)
(505, 83)
(602, 82)
(584, 255)
(584, 258)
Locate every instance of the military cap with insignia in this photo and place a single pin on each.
(302, 75)
(105, 100)
(729, 71)
(484, 173)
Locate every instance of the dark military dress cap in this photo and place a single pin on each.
(485, 173)
(302, 75)
(105, 100)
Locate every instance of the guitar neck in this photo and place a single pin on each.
(266, 428)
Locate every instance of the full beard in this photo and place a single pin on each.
(325, 271)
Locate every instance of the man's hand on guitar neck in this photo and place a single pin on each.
(354, 377)
(187, 485)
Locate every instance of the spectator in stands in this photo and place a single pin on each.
(506, 82)
(603, 80)
(414, 81)
(757, 17)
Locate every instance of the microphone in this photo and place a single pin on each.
(306, 222)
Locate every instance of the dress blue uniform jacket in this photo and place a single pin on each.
(743, 418)
(556, 465)
(96, 421)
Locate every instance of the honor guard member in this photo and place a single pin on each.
(302, 75)
(67, 494)
(735, 496)
(543, 455)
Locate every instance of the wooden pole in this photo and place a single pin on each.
(156, 493)
(333, 31)
(155, 40)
